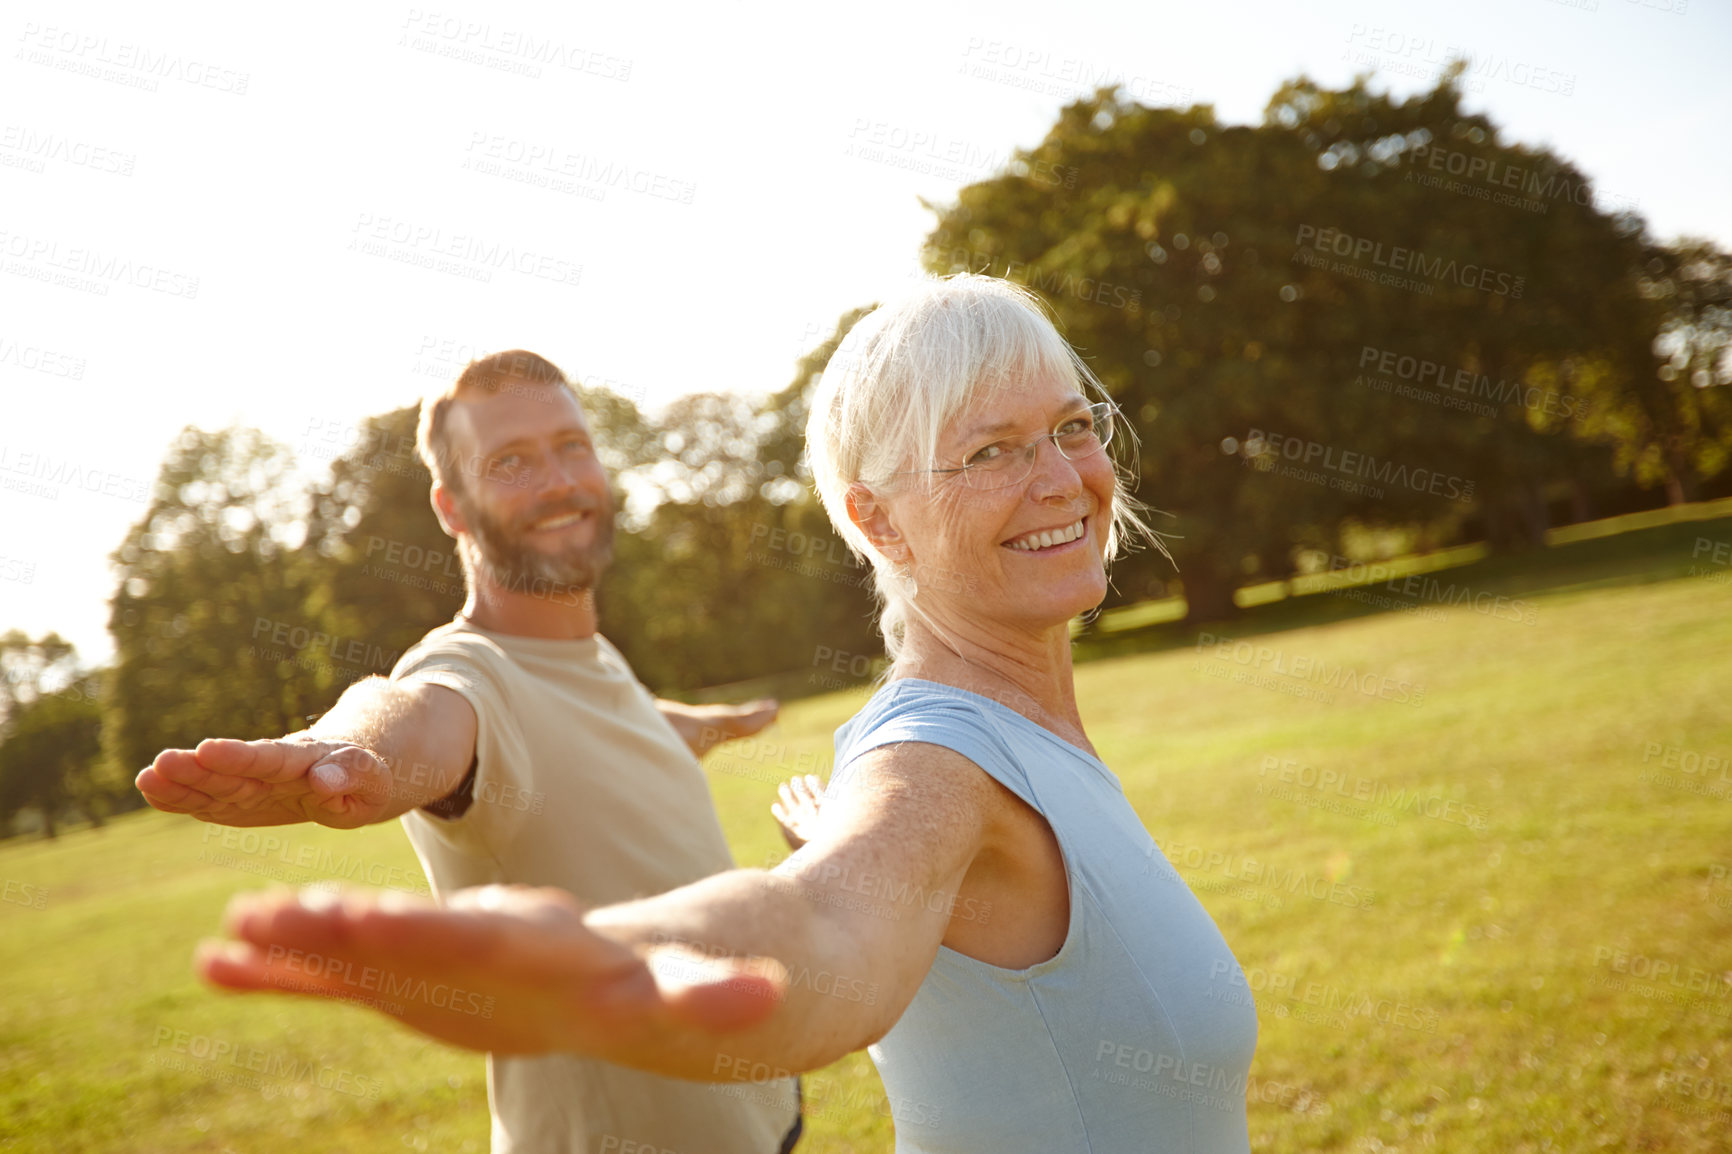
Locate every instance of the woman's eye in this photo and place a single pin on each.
(1076, 425)
(990, 453)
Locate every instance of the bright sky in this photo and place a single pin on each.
(225, 215)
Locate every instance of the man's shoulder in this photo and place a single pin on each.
(453, 644)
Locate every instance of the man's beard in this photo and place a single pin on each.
(509, 560)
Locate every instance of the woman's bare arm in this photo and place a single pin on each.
(842, 934)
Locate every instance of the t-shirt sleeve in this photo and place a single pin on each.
(951, 722)
(504, 791)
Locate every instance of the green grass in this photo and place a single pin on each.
(1488, 958)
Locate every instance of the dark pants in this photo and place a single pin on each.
(799, 1125)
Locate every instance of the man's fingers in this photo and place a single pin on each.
(182, 767)
(170, 796)
(757, 715)
(268, 761)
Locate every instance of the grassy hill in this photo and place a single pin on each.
(1474, 855)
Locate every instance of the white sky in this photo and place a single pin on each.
(759, 220)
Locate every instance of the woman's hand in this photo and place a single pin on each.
(510, 969)
(797, 812)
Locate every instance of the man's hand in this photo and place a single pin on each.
(703, 727)
(509, 969)
(248, 783)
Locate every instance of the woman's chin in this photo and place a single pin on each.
(1059, 607)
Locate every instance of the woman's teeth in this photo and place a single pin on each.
(1034, 541)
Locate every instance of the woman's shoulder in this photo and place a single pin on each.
(914, 697)
(909, 709)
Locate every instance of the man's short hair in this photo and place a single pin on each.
(512, 370)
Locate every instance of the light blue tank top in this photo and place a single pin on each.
(1136, 1036)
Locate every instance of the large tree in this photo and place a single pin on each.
(1228, 284)
(214, 626)
(49, 757)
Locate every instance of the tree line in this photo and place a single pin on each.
(1360, 320)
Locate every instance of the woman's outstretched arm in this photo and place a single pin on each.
(738, 975)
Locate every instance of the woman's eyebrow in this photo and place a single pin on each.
(1068, 405)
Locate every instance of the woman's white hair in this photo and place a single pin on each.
(905, 372)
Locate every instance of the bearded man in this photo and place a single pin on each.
(517, 746)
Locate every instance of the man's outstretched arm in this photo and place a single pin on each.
(703, 727)
(384, 749)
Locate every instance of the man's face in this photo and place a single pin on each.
(532, 494)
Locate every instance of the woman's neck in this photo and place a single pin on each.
(1030, 674)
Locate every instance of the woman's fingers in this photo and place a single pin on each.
(508, 968)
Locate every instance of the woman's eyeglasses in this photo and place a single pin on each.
(1006, 463)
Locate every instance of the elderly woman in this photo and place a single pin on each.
(977, 903)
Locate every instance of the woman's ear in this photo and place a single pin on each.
(871, 515)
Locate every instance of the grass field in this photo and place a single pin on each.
(1482, 893)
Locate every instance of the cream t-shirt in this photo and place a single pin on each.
(581, 783)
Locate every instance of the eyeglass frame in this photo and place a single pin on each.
(1100, 411)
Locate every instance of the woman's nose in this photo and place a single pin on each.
(1053, 474)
